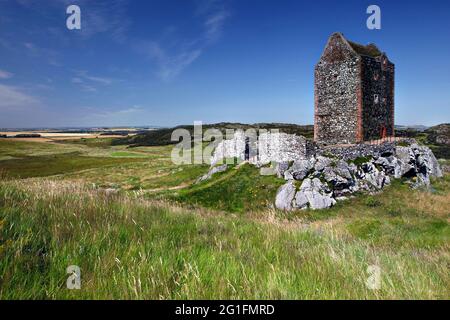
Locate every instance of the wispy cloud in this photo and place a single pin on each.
(87, 81)
(118, 116)
(214, 25)
(51, 56)
(5, 74)
(172, 61)
(119, 112)
(169, 65)
(13, 98)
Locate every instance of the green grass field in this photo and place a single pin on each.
(163, 237)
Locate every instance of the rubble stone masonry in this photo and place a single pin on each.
(354, 93)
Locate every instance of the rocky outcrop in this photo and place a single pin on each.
(326, 179)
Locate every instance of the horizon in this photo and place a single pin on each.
(211, 60)
(156, 127)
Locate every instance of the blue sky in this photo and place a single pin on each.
(162, 62)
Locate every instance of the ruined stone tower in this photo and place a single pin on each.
(354, 93)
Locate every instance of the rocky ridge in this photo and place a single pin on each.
(317, 177)
(321, 180)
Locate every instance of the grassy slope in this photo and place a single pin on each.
(240, 189)
(180, 253)
(132, 248)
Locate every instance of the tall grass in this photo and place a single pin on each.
(131, 248)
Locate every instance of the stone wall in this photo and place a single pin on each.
(263, 148)
(354, 93)
(336, 94)
(378, 97)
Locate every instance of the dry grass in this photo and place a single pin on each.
(130, 247)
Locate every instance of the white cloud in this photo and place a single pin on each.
(51, 56)
(88, 88)
(214, 24)
(5, 74)
(76, 80)
(13, 97)
(120, 112)
(86, 81)
(172, 62)
(170, 65)
(114, 117)
(82, 74)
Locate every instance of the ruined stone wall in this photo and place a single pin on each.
(337, 86)
(263, 149)
(377, 80)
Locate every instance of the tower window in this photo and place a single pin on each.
(376, 99)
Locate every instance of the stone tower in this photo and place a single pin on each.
(353, 93)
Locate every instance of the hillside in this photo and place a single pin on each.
(131, 215)
(161, 137)
(132, 248)
(437, 137)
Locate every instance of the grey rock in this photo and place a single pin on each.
(281, 168)
(404, 166)
(285, 196)
(377, 179)
(344, 169)
(338, 182)
(301, 201)
(425, 158)
(288, 175)
(327, 179)
(318, 194)
(300, 169)
(322, 163)
(212, 171)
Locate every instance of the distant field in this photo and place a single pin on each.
(163, 237)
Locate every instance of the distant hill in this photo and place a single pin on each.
(436, 137)
(160, 137)
(412, 127)
(439, 134)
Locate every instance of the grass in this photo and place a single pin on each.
(163, 237)
(236, 190)
(40, 166)
(130, 248)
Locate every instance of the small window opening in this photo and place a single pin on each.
(376, 99)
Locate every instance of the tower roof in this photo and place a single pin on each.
(368, 50)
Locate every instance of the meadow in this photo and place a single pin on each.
(159, 235)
